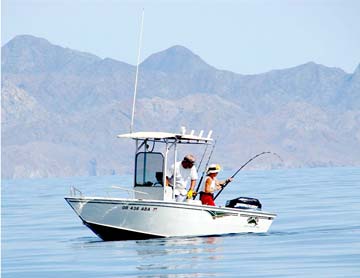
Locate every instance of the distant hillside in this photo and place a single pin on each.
(62, 109)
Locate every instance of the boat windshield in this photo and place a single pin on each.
(149, 169)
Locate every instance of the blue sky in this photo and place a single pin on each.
(246, 37)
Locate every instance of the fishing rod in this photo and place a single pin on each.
(251, 159)
(207, 164)
(203, 155)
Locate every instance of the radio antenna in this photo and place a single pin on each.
(137, 72)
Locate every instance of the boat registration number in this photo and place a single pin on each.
(141, 208)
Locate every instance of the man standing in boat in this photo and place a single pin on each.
(186, 173)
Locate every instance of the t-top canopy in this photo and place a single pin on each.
(163, 136)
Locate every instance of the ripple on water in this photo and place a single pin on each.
(316, 233)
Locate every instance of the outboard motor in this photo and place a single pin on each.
(244, 203)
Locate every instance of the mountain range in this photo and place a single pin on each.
(62, 109)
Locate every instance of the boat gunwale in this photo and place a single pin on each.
(183, 205)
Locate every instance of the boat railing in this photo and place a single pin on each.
(129, 191)
(74, 192)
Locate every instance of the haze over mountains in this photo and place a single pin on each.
(62, 109)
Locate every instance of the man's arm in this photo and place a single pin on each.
(192, 185)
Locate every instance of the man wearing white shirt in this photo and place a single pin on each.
(186, 173)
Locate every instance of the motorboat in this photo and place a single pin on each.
(152, 211)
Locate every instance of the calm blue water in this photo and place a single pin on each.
(316, 234)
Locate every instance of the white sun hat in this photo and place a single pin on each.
(213, 168)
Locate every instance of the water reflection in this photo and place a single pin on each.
(178, 257)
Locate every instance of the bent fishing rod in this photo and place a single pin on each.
(251, 159)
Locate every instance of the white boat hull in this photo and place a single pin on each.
(123, 219)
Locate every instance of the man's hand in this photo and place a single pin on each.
(191, 194)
